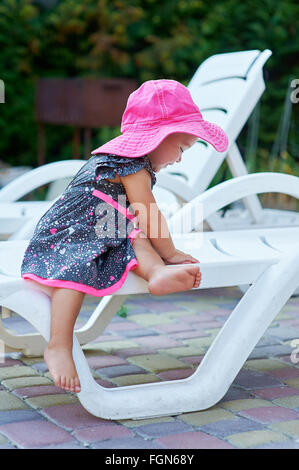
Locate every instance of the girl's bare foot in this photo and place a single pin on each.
(165, 280)
(61, 366)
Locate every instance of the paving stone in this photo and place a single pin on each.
(133, 423)
(138, 310)
(266, 351)
(40, 367)
(66, 445)
(211, 326)
(235, 393)
(72, 416)
(289, 402)
(105, 383)
(3, 441)
(10, 402)
(157, 362)
(200, 308)
(263, 365)
(283, 333)
(134, 352)
(289, 360)
(254, 438)
(21, 382)
(220, 313)
(275, 392)
(228, 306)
(45, 401)
(110, 346)
(238, 405)
(125, 325)
(16, 371)
(290, 427)
(95, 362)
(174, 327)
(183, 351)
(9, 362)
(117, 371)
(176, 374)
(149, 319)
(158, 341)
(127, 443)
(140, 332)
(194, 360)
(162, 429)
(197, 321)
(106, 338)
(34, 434)
(193, 440)
(284, 373)
(280, 445)
(18, 325)
(162, 306)
(28, 392)
(228, 427)
(250, 379)
(201, 343)
(268, 341)
(292, 382)
(269, 414)
(135, 379)
(12, 416)
(30, 360)
(200, 418)
(189, 334)
(102, 433)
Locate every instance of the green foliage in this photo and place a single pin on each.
(122, 312)
(141, 39)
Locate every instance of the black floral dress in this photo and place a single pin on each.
(84, 240)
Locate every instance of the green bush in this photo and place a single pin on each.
(140, 39)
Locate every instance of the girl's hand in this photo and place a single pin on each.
(179, 257)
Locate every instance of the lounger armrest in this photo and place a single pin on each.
(33, 179)
(201, 207)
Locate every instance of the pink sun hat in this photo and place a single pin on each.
(156, 109)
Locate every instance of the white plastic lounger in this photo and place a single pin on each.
(265, 258)
(13, 213)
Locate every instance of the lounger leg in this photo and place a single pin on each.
(224, 359)
(34, 344)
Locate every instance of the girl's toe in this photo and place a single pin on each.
(63, 382)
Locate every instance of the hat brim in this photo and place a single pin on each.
(140, 142)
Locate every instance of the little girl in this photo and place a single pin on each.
(89, 240)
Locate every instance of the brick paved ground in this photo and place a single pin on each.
(160, 339)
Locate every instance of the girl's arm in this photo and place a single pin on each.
(151, 220)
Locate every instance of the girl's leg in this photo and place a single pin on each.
(161, 278)
(66, 305)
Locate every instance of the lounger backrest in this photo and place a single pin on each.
(226, 88)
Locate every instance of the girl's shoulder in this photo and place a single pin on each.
(107, 164)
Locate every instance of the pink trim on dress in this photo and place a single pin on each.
(113, 203)
(82, 287)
